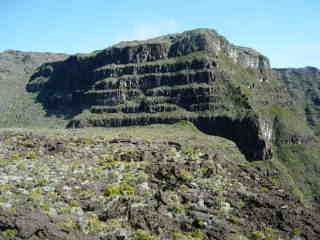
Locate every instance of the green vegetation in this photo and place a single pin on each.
(195, 235)
(288, 123)
(94, 225)
(142, 235)
(118, 189)
(9, 233)
(303, 163)
(19, 109)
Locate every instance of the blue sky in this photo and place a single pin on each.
(287, 31)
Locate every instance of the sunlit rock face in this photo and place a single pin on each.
(185, 76)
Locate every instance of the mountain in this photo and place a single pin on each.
(304, 86)
(211, 142)
(17, 107)
(185, 76)
(300, 152)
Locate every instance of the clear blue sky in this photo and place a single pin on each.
(287, 31)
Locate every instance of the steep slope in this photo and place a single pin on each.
(187, 76)
(17, 107)
(298, 129)
(304, 86)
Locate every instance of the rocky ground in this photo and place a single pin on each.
(182, 185)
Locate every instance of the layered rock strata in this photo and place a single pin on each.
(162, 80)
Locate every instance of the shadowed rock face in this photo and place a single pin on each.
(162, 80)
(245, 132)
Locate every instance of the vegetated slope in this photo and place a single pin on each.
(301, 154)
(17, 107)
(111, 184)
(304, 86)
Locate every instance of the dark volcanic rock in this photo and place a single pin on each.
(126, 188)
(162, 80)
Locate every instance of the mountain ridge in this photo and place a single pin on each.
(80, 78)
(201, 46)
(251, 172)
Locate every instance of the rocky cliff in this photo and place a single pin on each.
(163, 80)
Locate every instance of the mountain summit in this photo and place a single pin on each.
(185, 76)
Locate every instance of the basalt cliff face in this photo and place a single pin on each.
(186, 76)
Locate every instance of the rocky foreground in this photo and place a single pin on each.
(182, 185)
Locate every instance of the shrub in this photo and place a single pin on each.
(142, 235)
(9, 233)
(118, 189)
